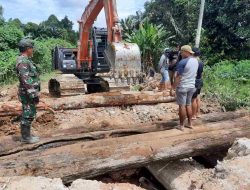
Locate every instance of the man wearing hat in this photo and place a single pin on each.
(185, 84)
(29, 87)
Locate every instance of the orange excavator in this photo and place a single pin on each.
(100, 50)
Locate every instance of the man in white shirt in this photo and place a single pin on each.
(185, 84)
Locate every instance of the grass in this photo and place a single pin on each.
(229, 82)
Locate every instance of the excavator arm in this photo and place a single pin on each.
(123, 58)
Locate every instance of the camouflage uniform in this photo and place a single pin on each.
(29, 88)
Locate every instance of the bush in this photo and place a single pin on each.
(42, 58)
(7, 65)
(10, 35)
(229, 81)
(42, 54)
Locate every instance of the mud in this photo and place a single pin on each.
(8, 126)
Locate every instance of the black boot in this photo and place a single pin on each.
(26, 136)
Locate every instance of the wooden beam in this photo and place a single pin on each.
(14, 108)
(11, 144)
(94, 158)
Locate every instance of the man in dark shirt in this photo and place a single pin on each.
(196, 100)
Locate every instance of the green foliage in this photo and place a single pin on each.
(179, 17)
(53, 28)
(150, 39)
(42, 58)
(7, 65)
(1, 15)
(229, 81)
(13, 31)
(227, 26)
(31, 29)
(128, 26)
(132, 23)
(10, 35)
(1, 11)
(42, 54)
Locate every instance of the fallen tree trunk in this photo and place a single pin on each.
(94, 158)
(91, 101)
(10, 144)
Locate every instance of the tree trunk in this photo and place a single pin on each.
(198, 34)
(14, 108)
(94, 158)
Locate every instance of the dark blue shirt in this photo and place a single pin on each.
(200, 70)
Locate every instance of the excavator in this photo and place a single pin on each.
(100, 50)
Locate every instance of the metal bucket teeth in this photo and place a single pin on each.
(124, 60)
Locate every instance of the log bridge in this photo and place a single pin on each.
(77, 154)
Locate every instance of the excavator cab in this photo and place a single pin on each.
(65, 59)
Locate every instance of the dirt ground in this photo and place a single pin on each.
(92, 118)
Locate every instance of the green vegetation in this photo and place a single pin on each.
(149, 38)
(46, 36)
(42, 54)
(229, 82)
(225, 42)
(226, 26)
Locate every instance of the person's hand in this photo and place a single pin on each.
(36, 100)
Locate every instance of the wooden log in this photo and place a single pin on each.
(90, 101)
(12, 144)
(94, 158)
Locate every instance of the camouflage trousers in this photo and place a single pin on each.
(28, 110)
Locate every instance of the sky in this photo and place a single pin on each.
(39, 10)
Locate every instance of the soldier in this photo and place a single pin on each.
(29, 88)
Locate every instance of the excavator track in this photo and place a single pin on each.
(65, 85)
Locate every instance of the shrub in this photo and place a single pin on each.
(10, 35)
(7, 65)
(42, 54)
(229, 81)
(42, 58)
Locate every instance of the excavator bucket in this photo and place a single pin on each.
(124, 60)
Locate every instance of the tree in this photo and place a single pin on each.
(128, 26)
(53, 28)
(1, 16)
(1, 11)
(10, 35)
(179, 17)
(16, 22)
(151, 40)
(52, 21)
(132, 23)
(198, 34)
(66, 24)
(31, 29)
(227, 29)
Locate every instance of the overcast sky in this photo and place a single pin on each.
(39, 10)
